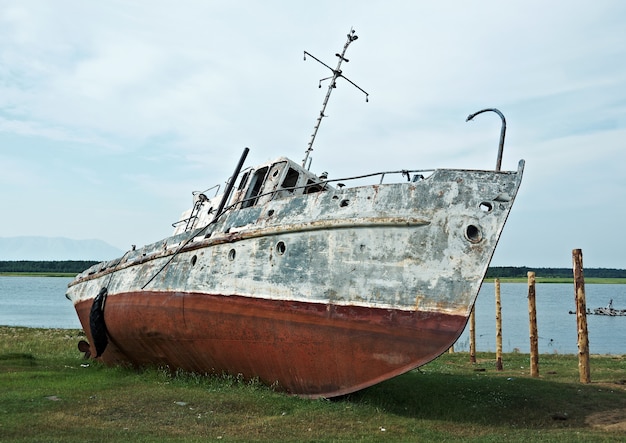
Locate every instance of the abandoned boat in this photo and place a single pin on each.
(309, 284)
(610, 310)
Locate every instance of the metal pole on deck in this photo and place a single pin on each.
(502, 132)
(337, 73)
(220, 211)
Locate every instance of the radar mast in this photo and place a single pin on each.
(333, 79)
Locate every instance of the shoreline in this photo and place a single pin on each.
(538, 279)
(71, 331)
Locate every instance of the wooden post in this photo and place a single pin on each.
(498, 327)
(581, 317)
(473, 335)
(532, 316)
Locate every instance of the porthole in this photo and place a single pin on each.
(231, 254)
(343, 203)
(280, 248)
(270, 212)
(485, 207)
(193, 260)
(473, 234)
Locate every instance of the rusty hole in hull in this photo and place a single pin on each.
(280, 248)
(473, 233)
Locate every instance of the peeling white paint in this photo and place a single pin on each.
(394, 246)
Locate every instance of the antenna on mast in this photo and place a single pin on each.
(333, 79)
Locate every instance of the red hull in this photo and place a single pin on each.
(307, 349)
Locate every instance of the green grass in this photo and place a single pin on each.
(49, 393)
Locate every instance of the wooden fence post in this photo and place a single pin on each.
(473, 335)
(498, 327)
(581, 317)
(532, 316)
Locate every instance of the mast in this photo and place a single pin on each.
(333, 79)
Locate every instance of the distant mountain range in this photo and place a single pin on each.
(55, 248)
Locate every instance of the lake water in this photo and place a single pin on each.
(556, 328)
(40, 302)
(37, 302)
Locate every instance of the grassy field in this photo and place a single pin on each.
(49, 393)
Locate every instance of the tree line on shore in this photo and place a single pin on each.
(522, 271)
(77, 266)
(62, 266)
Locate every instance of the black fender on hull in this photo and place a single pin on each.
(97, 324)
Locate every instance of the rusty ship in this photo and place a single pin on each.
(315, 286)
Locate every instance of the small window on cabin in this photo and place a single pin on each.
(291, 179)
(254, 189)
(312, 186)
(244, 180)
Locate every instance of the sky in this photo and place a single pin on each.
(113, 112)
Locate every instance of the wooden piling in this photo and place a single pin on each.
(532, 317)
(584, 370)
(498, 327)
(473, 335)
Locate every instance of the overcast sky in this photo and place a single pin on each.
(113, 112)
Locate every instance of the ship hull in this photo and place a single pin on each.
(312, 350)
(319, 295)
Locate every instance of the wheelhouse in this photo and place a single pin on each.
(281, 178)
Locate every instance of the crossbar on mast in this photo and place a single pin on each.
(333, 79)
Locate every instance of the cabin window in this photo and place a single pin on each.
(244, 180)
(312, 186)
(291, 179)
(254, 189)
